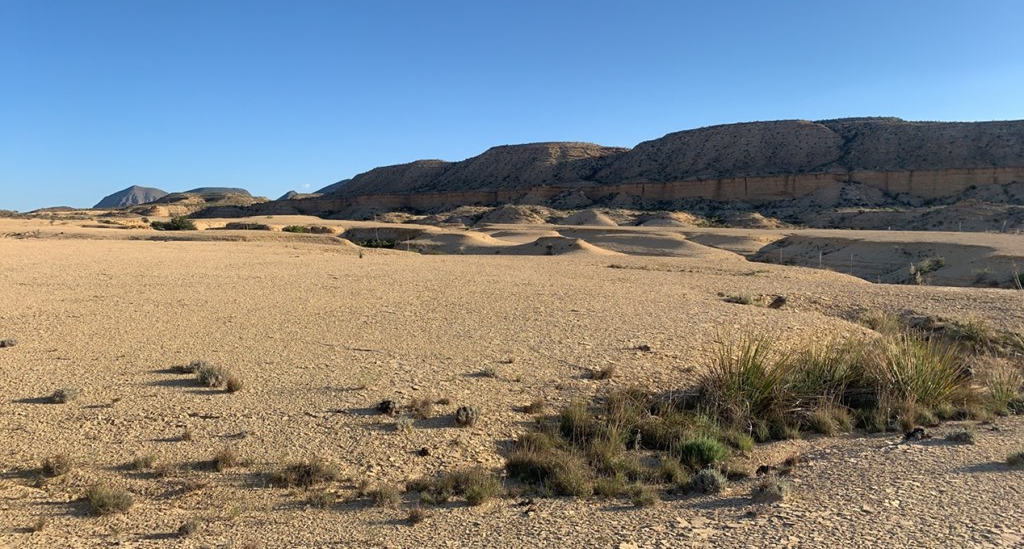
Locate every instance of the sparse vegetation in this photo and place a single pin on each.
(422, 407)
(386, 495)
(537, 406)
(739, 299)
(477, 484)
(188, 528)
(606, 372)
(144, 461)
(211, 376)
(644, 496)
(320, 499)
(754, 389)
(243, 226)
(233, 383)
(179, 223)
(709, 481)
(55, 466)
(770, 489)
(104, 500)
(305, 474)
(227, 457)
(8, 343)
(963, 436)
(64, 395)
(1015, 459)
(416, 515)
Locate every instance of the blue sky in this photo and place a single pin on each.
(97, 95)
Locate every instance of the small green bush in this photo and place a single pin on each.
(709, 481)
(179, 223)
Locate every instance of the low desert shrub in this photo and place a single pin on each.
(55, 466)
(604, 373)
(416, 515)
(386, 495)
(320, 499)
(227, 457)
(643, 496)
(144, 461)
(770, 489)
(963, 436)
(1015, 459)
(422, 407)
(537, 406)
(104, 499)
(709, 481)
(305, 473)
(179, 223)
(64, 395)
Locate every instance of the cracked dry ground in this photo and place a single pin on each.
(320, 336)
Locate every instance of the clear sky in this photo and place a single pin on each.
(97, 95)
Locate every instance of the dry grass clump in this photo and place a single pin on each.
(963, 436)
(416, 515)
(770, 489)
(233, 383)
(604, 373)
(104, 499)
(320, 499)
(1015, 459)
(144, 461)
(709, 481)
(188, 528)
(422, 407)
(64, 395)
(477, 484)
(386, 495)
(305, 474)
(226, 458)
(38, 525)
(754, 389)
(644, 496)
(536, 406)
(55, 466)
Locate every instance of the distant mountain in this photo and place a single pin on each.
(131, 196)
(333, 186)
(295, 195)
(217, 190)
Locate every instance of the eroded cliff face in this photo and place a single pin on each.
(751, 162)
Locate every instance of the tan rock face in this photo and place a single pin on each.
(751, 162)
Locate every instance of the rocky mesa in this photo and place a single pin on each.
(748, 162)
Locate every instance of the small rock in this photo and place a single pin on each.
(8, 343)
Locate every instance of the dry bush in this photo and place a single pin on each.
(770, 489)
(305, 474)
(422, 407)
(55, 466)
(64, 395)
(604, 373)
(104, 499)
(386, 495)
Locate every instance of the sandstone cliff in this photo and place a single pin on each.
(750, 163)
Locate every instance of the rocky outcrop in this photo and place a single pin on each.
(131, 196)
(751, 163)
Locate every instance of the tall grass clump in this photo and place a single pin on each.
(908, 370)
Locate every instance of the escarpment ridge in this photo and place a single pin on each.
(748, 162)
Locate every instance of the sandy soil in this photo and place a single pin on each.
(320, 332)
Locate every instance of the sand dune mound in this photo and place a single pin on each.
(510, 214)
(649, 244)
(522, 237)
(590, 218)
(667, 219)
(560, 245)
(752, 220)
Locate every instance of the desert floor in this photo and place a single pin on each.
(320, 332)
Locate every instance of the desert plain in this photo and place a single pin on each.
(320, 331)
